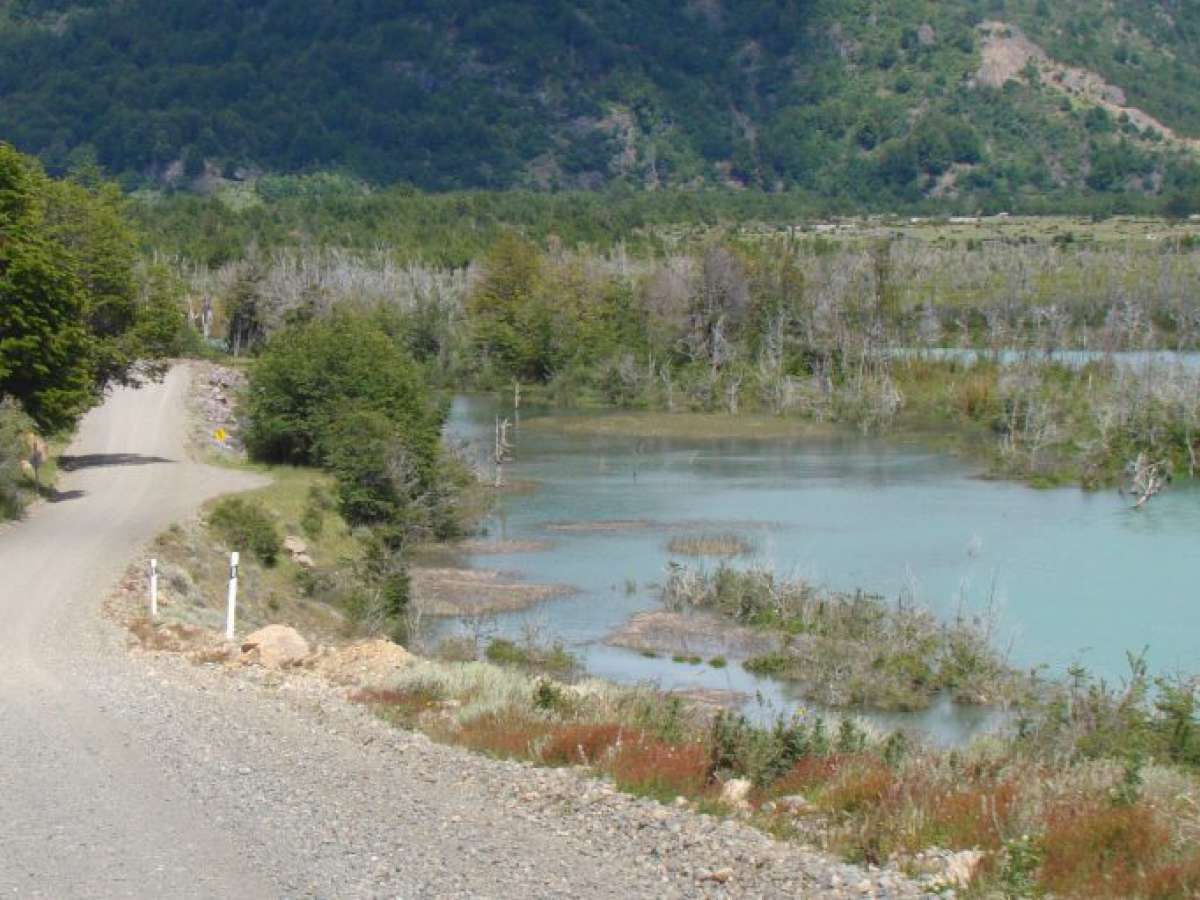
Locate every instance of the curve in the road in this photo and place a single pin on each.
(82, 809)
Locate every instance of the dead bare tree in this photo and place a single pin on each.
(503, 449)
(718, 308)
(1145, 478)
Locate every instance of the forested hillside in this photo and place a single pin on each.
(871, 101)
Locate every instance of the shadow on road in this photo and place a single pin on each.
(101, 460)
(54, 496)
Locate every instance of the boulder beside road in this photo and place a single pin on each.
(276, 647)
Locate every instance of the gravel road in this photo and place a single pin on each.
(131, 776)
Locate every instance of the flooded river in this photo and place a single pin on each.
(1070, 576)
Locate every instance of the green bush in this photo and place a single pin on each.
(13, 425)
(247, 527)
(343, 393)
(310, 376)
(768, 664)
(312, 518)
(504, 652)
(553, 660)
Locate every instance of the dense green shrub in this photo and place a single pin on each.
(344, 394)
(312, 376)
(247, 527)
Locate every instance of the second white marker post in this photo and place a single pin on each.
(231, 606)
(154, 589)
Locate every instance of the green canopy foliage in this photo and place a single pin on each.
(74, 315)
(344, 394)
(864, 103)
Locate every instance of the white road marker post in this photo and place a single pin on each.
(231, 607)
(154, 589)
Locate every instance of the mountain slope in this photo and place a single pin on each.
(862, 99)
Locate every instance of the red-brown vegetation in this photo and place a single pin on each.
(662, 770)
(1102, 850)
(585, 744)
(505, 736)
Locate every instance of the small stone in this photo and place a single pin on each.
(718, 875)
(735, 791)
(959, 868)
(295, 545)
(796, 804)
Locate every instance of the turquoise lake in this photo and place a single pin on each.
(1071, 576)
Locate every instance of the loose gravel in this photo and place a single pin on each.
(328, 801)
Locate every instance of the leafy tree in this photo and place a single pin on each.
(44, 347)
(133, 321)
(509, 320)
(74, 318)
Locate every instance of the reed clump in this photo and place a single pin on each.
(725, 546)
(851, 649)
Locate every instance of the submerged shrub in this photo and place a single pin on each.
(722, 545)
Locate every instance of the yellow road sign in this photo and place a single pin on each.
(220, 435)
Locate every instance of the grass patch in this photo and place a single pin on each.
(553, 659)
(713, 545)
(663, 771)
(194, 564)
